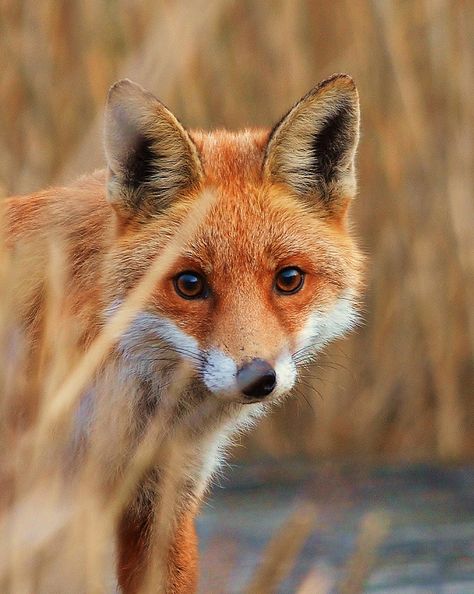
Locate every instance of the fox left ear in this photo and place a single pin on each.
(312, 148)
(151, 157)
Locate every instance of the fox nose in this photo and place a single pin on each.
(256, 379)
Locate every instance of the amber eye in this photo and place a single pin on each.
(289, 280)
(190, 285)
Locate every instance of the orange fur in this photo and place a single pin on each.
(268, 215)
(133, 554)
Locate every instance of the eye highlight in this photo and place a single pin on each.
(289, 280)
(190, 285)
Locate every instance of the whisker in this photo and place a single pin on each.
(312, 388)
(302, 395)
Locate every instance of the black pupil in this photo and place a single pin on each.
(288, 277)
(190, 283)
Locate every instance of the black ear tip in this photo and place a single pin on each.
(340, 81)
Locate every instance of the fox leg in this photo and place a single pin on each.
(132, 549)
(133, 554)
(183, 558)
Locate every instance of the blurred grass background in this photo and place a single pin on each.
(402, 386)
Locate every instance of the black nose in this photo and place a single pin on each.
(256, 379)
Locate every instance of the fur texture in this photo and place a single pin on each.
(282, 200)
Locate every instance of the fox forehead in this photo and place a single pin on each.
(254, 223)
(231, 158)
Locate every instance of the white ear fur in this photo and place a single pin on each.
(312, 148)
(150, 156)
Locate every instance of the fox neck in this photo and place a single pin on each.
(160, 407)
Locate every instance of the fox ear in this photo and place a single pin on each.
(150, 156)
(312, 148)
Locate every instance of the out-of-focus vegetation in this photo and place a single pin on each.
(402, 386)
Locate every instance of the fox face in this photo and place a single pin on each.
(271, 273)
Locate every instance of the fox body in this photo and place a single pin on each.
(268, 277)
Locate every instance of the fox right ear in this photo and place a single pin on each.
(312, 149)
(151, 158)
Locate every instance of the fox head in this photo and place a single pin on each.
(271, 273)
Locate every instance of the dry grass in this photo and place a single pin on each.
(402, 386)
(405, 380)
(282, 551)
(374, 529)
(57, 526)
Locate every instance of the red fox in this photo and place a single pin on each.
(270, 276)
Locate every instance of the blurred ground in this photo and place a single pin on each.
(429, 548)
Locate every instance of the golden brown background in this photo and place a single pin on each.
(402, 386)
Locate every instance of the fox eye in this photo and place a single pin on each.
(289, 280)
(190, 285)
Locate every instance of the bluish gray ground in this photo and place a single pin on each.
(429, 548)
